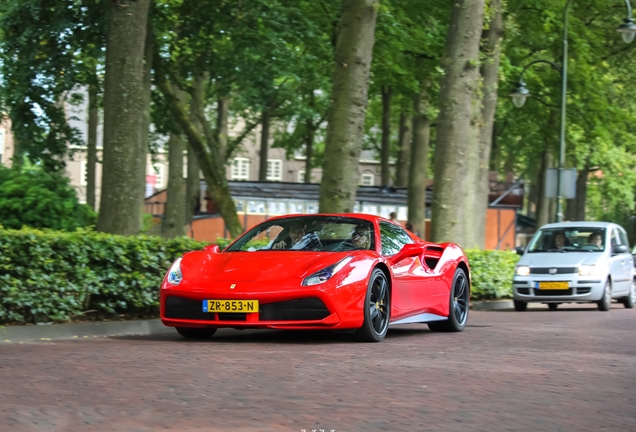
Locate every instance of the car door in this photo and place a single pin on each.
(627, 261)
(617, 264)
(409, 294)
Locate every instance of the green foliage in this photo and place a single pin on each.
(491, 273)
(32, 197)
(53, 276)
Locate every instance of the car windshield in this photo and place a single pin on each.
(578, 239)
(308, 233)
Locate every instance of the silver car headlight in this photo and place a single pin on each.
(522, 270)
(174, 274)
(590, 270)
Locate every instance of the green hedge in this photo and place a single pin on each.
(53, 276)
(492, 273)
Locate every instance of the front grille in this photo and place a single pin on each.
(559, 270)
(553, 292)
(523, 291)
(232, 316)
(294, 310)
(177, 307)
(583, 290)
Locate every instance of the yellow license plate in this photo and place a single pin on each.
(244, 306)
(553, 285)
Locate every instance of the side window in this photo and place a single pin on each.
(623, 237)
(614, 238)
(393, 238)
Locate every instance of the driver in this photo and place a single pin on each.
(595, 239)
(361, 237)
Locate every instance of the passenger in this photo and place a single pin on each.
(559, 240)
(296, 234)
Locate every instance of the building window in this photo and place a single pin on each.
(241, 169)
(367, 179)
(160, 173)
(301, 176)
(274, 170)
(83, 173)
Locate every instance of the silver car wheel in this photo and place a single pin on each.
(630, 300)
(605, 303)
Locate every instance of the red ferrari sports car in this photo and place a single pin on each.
(324, 271)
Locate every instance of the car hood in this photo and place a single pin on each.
(560, 259)
(264, 266)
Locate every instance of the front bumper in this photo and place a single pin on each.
(582, 289)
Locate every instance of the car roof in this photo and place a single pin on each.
(580, 224)
(367, 217)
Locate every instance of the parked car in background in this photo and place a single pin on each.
(576, 262)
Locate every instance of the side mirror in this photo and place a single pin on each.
(619, 249)
(212, 248)
(407, 251)
(520, 250)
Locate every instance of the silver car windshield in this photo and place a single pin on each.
(576, 239)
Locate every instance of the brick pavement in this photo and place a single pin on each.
(572, 370)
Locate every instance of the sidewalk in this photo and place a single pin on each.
(82, 330)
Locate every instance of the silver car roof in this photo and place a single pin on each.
(580, 224)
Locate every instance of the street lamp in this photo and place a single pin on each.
(521, 93)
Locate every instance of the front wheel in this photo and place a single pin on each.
(196, 333)
(605, 303)
(553, 306)
(520, 306)
(377, 309)
(630, 300)
(459, 302)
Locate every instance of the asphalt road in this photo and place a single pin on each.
(573, 370)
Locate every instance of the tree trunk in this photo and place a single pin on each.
(91, 152)
(419, 165)
(309, 148)
(262, 168)
(490, 75)
(343, 143)
(455, 136)
(174, 218)
(209, 158)
(575, 208)
(386, 134)
(120, 212)
(145, 131)
(543, 203)
(223, 108)
(404, 152)
(193, 183)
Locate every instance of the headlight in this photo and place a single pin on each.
(322, 276)
(589, 270)
(522, 270)
(174, 274)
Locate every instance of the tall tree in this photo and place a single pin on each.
(491, 55)
(120, 212)
(173, 222)
(404, 150)
(343, 144)
(455, 136)
(419, 163)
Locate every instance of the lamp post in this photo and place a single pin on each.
(520, 93)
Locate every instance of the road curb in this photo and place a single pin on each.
(81, 330)
(492, 305)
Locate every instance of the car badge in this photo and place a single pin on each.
(552, 271)
(232, 286)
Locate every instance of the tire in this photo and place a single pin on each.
(520, 306)
(458, 308)
(553, 306)
(630, 300)
(377, 309)
(605, 303)
(196, 333)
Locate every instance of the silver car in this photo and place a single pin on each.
(576, 262)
